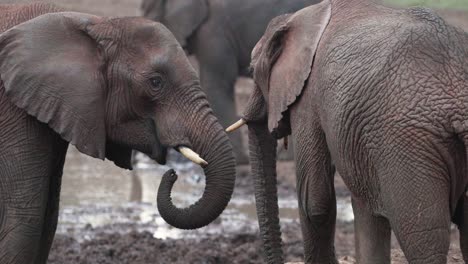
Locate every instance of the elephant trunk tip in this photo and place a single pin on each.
(170, 176)
(164, 200)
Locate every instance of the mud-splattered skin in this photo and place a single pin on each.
(221, 34)
(107, 86)
(387, 102)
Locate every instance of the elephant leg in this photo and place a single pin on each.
(27, 169)
(221, 97)
(418, 209)
(316, 193)
(461, 215)
(372, 235)
(52, 211)
(218, 74)
(463, 226)
(23, 198)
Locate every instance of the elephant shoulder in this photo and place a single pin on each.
(432, 31)
(14, 14)
(425, 15)
(427, 22)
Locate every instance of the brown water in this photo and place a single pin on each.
(97, 194)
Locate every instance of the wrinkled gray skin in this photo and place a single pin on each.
(384, 94)
(107, 86)
(221, 34)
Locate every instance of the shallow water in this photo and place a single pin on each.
(97, 195)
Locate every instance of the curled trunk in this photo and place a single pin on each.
(212, 143)
(263, 162)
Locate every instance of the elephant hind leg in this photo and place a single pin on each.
(372, 235)
(316, 192)
(219, 70)
(461, 213)
(462, 223)
(418, 209)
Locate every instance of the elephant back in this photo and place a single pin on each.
(14, 14)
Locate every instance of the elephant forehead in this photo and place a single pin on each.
(150, 42)
(134, 29)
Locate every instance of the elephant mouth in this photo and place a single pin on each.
(183, 146)
(159, 153)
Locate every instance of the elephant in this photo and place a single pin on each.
(380, 95)
(221, 35)
(106, 86)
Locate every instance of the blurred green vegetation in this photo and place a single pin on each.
(452, 4)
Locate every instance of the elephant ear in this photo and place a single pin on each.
(53, 70)
(282, 60)
(183, 17)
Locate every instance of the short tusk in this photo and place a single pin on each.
(236, 125)
(193, 156)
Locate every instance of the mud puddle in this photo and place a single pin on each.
(109, 215)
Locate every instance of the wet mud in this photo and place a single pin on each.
(142, 248)
(125, 227)
(133, 232)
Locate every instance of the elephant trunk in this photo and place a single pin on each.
(263, 161)
(212, 143)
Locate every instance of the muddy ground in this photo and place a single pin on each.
(125, 243)
(129, 234)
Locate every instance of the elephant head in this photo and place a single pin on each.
(182, 17)
(281, 61)
(110, 85)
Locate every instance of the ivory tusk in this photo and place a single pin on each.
(236, 125)
(193, 156)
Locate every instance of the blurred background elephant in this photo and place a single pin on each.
(106, 86)
(221, 35)
(381, 92)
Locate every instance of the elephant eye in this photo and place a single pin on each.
(157, 82)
